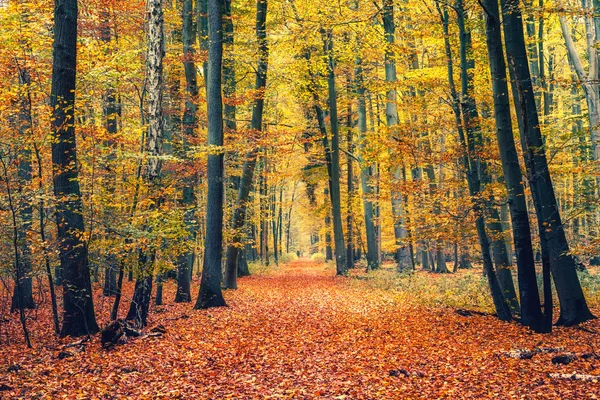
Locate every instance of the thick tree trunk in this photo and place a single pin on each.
(210, 294)
(79, 318)
(573, 307)
(239, 214)
(531, 314)
(469, 143)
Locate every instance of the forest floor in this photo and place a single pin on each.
(299, 332)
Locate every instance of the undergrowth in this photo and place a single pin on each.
(465, 289)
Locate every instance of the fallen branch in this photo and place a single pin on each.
(526, 354)
(576, 377)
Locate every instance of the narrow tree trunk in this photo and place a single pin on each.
(391, 114)
(111, 111)
(365, 171)
(239, 214)
(334, 151)
(328, 247)
(23, 292)
(350, 189)
(188, 196)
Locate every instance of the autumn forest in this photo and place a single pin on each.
(299, 199)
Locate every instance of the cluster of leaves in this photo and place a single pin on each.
(300, 332)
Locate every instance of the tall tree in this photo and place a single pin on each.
(531, 313)
(366, 171)
(140, 303)
(78, 317)
(239, 214)
(110, 109)
(573, 306)
(23, 291)
(210, 294)
(188, 198)
(403, 257)
(334, 157)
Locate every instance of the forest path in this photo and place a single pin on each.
(298, 331)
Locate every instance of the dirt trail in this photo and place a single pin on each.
(300, 332)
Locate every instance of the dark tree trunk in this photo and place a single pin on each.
(23, 292)
(366, 172)
(350, 185)
(210, 294)
(78, 318)
(469, 142)
(140, 303)
(573, 306)
(328, 248)
(188, 201)
(476, 168)
(334, 159)
(110, 110)
(531, 314)
(241, 205)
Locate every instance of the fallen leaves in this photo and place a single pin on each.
(300, 332)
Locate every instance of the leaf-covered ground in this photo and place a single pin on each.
(299, 332)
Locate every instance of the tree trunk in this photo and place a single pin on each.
(531, 314)
(328, 248)
(188, 195)
(79, 318)
(391, 114)
(140, 304)
(110, 110)
(350, 187)
(470, 142)
(239, 214)
(23, 292)
(210, 294)
(573, 307)
(366, 172)
(334, 151)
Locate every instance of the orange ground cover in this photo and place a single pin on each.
(299, 332)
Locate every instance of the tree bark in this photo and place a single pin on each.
(573, 307)
(365, 171)
(188, 195)
(531, 314)
(334, 151)
(210, 294)
(140, 304)
(23, 291)
(239, 214)
(78, 317)
(391, 113)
